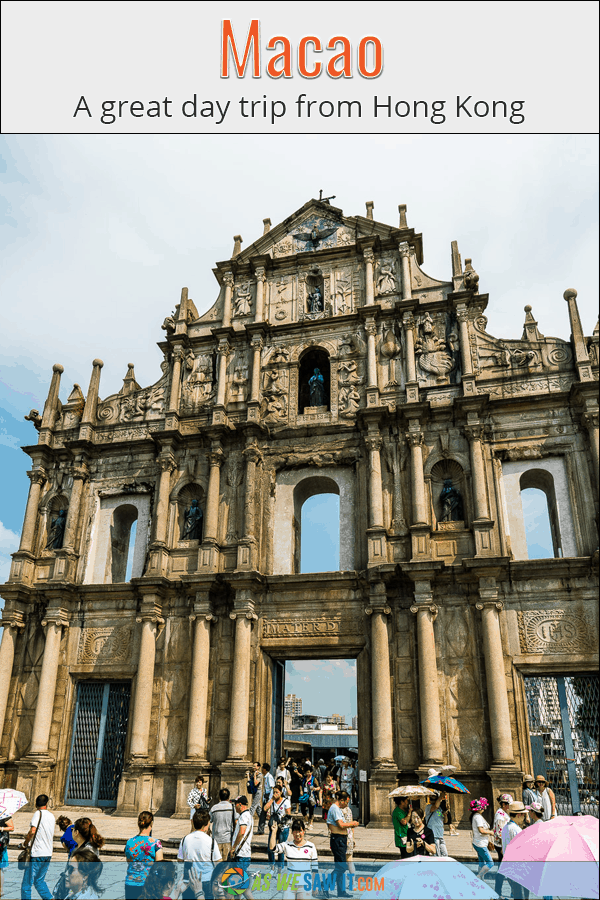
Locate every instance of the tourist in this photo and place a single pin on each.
(6, 826)
(309, 798)
(301, 857)
(328, 792)
(141, 852)
(160, 883)
(338, 840)
(514, 826)
(201, 850)
(322, 769)
(538, 812)
(528, 789)
(222, 817)
(255, 788)
(283, 787)
(434, 819)
(295, 786)
(84, 832)
(241, 849)
(348, 817)
(400, 819)
(67, 839)
(39, 839)
(83, 873)
(282, 770)
(501, 819)
(420, 834)
(268, 785)
(198, 796)
(545, 795)
(279, 809)
(481, 834)
(346, 776)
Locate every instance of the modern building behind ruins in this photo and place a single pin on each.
(146, 626)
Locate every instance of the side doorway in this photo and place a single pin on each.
(98, 744)
(277, 712)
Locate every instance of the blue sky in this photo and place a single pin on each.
(326, 686)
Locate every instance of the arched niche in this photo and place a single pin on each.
(50, 509)
(188, 494)
(449, 494)
(313, 358)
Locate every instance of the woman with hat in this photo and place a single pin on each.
(517, 820)
(528, 789)
(545, 796)
(501, 819)
(481, 830)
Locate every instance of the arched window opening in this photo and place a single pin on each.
(122, 541)
(317, 525)
(540, 515)
(314, 380)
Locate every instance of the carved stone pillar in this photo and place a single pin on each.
(91, 400)
(240, 688)
(462, 314)
(201, 618)
(150, 620)
(51, 405)
(475, 435)
(176, 379)
(580, 350)
(166, 465)
(415, 442)
(590, 421)
(412, 387)
(80, 476)
(260, 285)
(371, 331)
(429, 701)
(247, 546)
(502, 745)
(223, 351)
(257, 345)
(208, 550)
(406, 279)
(381, 688)
(54, 622)
(369, 284)
(373, 443)
(37, 478)
(228, 281)
(11, 623)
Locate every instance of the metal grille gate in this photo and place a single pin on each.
(98, 744)
(563, 727)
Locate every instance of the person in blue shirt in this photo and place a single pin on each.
(67, 839)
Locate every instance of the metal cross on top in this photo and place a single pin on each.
(325, 199)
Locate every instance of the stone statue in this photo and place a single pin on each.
(386, 283)
(315, 300)
(34, 416)
(452, 503)
(243, 300)
(192, 523)
(57, 531)
(316, 386)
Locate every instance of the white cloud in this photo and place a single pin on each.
(9, 543)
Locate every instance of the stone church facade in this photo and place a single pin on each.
(131, 663)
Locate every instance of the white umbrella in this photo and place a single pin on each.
(426, 877)
(411, 790)
(10, 802)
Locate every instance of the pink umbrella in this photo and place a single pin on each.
(10, 802)
(558, 857)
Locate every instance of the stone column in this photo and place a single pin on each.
(429, 701)
(582, 358)
(371, 331)
(253, 456)
(373, 443)
(415, 442)
(91, 401)
(406, 280)
(590, 421)
(381, 690)
(80, 475)
(53, 624)
(475, 434)
(240, 688)
(462, 314)
(369, 286)
(51, 405)
(144, 683)
(10, 623)
(260, 285)
(223, 351)
(502, 745)
(166, 465)
(176, 379)
(211, 521)
(257, 345)
(196, 734)
(37, 478)
(228, 281)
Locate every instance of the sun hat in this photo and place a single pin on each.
(478, 805)
(516, 807)
(536, 808)
(540, 778)
(527, 778)
(432, 772)
(505, 798)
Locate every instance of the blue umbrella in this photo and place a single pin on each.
(445, 783)
(427, 877)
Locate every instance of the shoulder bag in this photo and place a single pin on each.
(24, 857)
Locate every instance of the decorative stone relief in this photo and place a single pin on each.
(553, 631)
(242, 300)
(274, 406)
(312, 628)
(103, 645)
(239, 382)
(387, 282)
(198, 386)
(433, 359)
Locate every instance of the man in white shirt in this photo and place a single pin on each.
(40, 839)
(338, 838)
(268, 785)
(197, 847)
(241, 845)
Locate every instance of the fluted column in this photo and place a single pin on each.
(51, 405)
(80, 475)
(502, 745)
(415, 442)
(11, 623)
(212, 495)
(240, 688)
(371, 331)
(42, 722)
(373, 443)
(223, 351)
(166, 465)
(228, 281)
(260, 286)
(381, 689)
(91, 400)
(475, 435)
(37, 478)
(406, 280)
(196, 734)
(257, 345)
(429, 701)
(465, 344)
(253, 456)
(144, 683)
(176, 378)
(369, 284)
